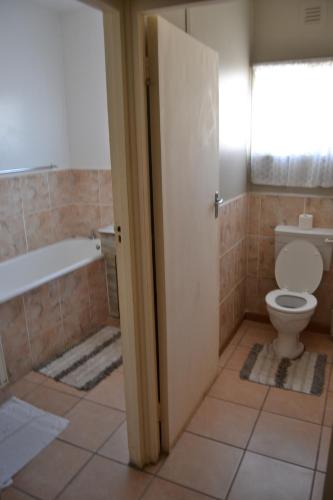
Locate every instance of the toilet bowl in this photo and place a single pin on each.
(298, 272)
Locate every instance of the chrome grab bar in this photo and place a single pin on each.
(26, 169)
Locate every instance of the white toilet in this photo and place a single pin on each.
(301, 256)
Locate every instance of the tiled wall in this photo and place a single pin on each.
(265, 212)
(233, 218)
(44, 322)
(40, 209)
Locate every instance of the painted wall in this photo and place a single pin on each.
(33, 124)
(278, 32)
(53, 106)
(85, 82)
(226, 28)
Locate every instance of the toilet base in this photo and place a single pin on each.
(288, 346)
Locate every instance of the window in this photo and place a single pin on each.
(292, 124)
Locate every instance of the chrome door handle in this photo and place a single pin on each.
(218, 202)
(328, 240)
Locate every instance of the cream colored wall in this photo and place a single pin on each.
(226, 28)
(278, 32)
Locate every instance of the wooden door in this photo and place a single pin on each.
(183, 96)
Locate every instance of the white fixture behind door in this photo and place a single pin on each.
(184, 141)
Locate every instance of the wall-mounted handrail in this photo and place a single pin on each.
(27, 169)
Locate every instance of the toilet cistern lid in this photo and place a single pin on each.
(299, 267)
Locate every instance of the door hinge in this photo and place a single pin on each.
(147, 72)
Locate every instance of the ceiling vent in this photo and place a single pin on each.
(313, 13)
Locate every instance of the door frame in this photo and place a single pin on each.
(124, 33)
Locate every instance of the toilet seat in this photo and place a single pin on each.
(299, 267)
(272, 300)
(298, 272)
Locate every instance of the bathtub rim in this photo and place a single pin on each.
(54, 275)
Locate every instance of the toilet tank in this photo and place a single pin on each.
(322, 238)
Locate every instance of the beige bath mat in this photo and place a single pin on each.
(305, 374)
(86, 364)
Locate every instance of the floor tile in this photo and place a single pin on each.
(318, 486)
(202, 464)
(286, 438)
(319, 343)
(224, 421)
(256, 335)
(90, 424)
(238, 358)
(47, 474)
(328, 418)
(116, 446)
(51, 401)
(239, 334)
(36, 378)
(330, 385)
(262, 478)
(103, 479)
(14, 494)
(295, 404)
(22, 388)
(67, 389)
(227, 352)
(325, 441)
(163, 490)
(231, 388)
(110, 392)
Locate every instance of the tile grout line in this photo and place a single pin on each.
(246, 448)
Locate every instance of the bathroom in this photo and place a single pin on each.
(246, 431)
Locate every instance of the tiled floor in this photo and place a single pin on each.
(245, 442)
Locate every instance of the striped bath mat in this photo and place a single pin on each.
(305, 374)
(86, 364)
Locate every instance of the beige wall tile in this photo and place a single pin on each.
(267, 257)
(35, 192)
(64, 222)
(10, 197)
(252, 294)
(322, 211)
(14, 337)
(227, 321)
(279, 210)
(40, 228)
(12, 237)
(252, 255)
(85, 186)
(227, 273)
(42, 307)
(47, 343)
(240, 261)
(227, 227)
(254, 205)
(105, 187)
(85, 219)
(61, 186)
(240, 206)
(74, 292)
(239, 302)
(77, 326)
(107, 215)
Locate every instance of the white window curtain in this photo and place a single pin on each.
(292, 124)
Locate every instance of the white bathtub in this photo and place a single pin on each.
(33, 269)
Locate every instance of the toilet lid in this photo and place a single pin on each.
(299, 267)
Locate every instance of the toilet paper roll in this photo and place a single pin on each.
(305, 221)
